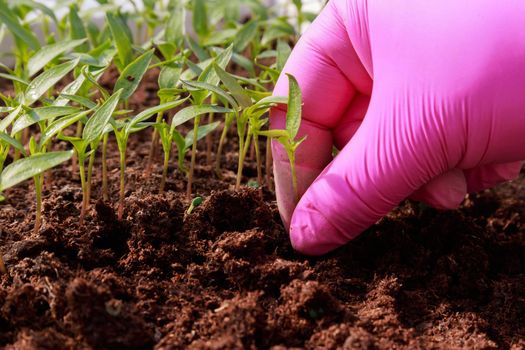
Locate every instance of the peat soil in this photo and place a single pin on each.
(226, 277)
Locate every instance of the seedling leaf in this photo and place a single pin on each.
(46, 80)
(26, 168)
(97, 123)
(191, 112)
(48, 53)
(293, 115)
(132, 75)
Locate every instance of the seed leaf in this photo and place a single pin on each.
(132, 75)
(191, 112)
(11, 141)
(121, 39)
(144, 115)
(200, 18)
(283, 52)
(204, 86)
(202, 131)
(235, 88)
(48, 53)
(169, 76)
(8, 17)
(59, 125)
(13, 78)
(8, 120)
(96, 124)
(245, 36)
(46, 80)
(40, 114)
(174, 33)
(293, 115)
(26, 168)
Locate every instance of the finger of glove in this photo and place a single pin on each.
(487, 176)
(445, 191)
(351, 120)
(381, 165)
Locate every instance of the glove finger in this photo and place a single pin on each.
(351, 120)
(489, 175)
(445, 191)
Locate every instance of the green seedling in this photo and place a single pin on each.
(122, 134)
(194, 204)
(293, 122)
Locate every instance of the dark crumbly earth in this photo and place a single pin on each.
(226, 277)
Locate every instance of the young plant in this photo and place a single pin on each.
(122, 134)
(293, 122)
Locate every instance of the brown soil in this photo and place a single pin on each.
(226, 277)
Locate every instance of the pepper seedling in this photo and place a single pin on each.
(194, 204)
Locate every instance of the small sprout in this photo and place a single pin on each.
(253, 184)
(194, 204)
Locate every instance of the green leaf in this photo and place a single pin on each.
(191, 112)
(26, 168)
(208, 75)
(293, 115)
(283, 52)
(81, 100)
(77, 28)
(174, 33)
(132, 75)
(169, 75)
(245, 36)
(270, 101)
(14, 78)
(8, 17)
(234, 87)
(48, 53)
(8, 120)
(12, 142)
(96, 124)
(217, 90)
(200, 18)
(46, 80)
(74, 86)
(59, 125)
(202, 131)
(40, 114)
(275, 133)
(147, 113)
(121, 39)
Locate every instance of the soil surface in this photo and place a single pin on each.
(226, 277)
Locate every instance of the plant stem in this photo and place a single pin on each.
(105, 192)
(269, 163)
(122, 184)
(193, 156)
(209, 137)
(259, 163)
(74, 160)
(153, 146)
(38, 189)
(89, 177)
(164, 172)
(243, 150)
(291, 156)
(82, 171)
(227, 123)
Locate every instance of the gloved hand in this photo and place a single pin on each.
(425, 99)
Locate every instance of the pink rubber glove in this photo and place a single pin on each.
(425, 99)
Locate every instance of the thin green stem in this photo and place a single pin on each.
(153, 146)
(243, 150)
(259, 163)
(291, 156)
(164, 172)
(193, 156)
(222, 139)
(105, 192)
(122, 184)
(269, 163)
(82, 171)
(89, 177)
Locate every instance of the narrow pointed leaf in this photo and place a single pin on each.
(26, 168)
(144, 115)
(59, 125)
(245, 36)
(10, 118)
(40, 114)
(46, 80)
(121, 39)
(132, 75)
(191, 112)
(81, 100)
(47, 53)
(8, 17)
(14, 78)
(4, 138)
(293, 114)
(234, 87)
(96, 124)
(215, 89)
(169, 76)
(200, 18)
